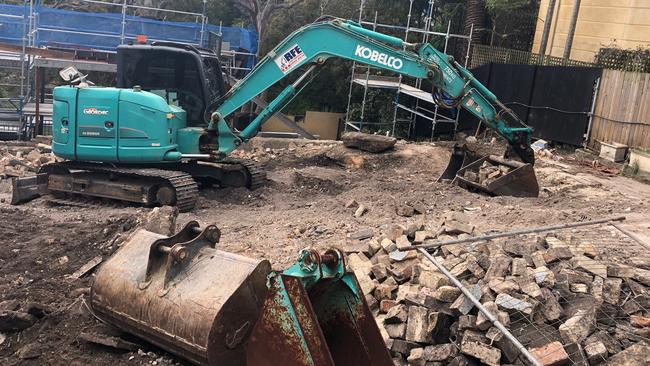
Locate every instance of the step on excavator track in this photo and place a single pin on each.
(148, 186)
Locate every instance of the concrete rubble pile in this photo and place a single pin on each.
(555, 294)
(19, 159)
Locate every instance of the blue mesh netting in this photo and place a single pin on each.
(59, 28)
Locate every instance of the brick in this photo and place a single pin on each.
(499, 267)
(552, 354)
(455, 227)
(502, 286)
(440, 352)
(462, 304)
(359, 262)
(403, 347)
(416, 357)
(620, 271)
(639, 321)
(579, 288)
(612, 290)
(475, 269)
(570, 276)
(550, 306)
(556, 254)
(416, 325)
(487, 354)
(538, 258)
(404, 290)
(482, 321)
(402, 242)
(596, 353)
(373, 247)
(578, 327)
(467, 322)
(394, 231)
(587, 264)
(395, 330)
(397, 314)
(422, 235)
(511, 304)
(384, 292)
(379, 271)
(597, 288)
(519, 266)
(637, 354)
(433, 280)
(531, 289)
(446, 293)
(373, 304)
(367, 284)
(385, 305)
(388, 245)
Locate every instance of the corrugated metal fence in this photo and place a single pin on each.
(622, 112)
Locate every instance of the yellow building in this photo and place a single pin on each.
(601, 23)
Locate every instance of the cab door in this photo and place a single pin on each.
(97, 112)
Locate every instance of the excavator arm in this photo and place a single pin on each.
(333, 37)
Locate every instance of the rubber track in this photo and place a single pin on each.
(257, 175)
(187, 191)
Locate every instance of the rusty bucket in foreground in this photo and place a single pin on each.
(216, 308)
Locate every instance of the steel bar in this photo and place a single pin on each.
(630, 234)
(493, 319)
(516, 232)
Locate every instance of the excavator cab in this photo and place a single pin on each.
(185, 76)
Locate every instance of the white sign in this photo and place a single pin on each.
(292, 57)
(379, 57)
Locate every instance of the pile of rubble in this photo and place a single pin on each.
(558, 297)
(24, 158)
(487, 173)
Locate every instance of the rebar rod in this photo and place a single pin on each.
(493, 319)
(515, 232)
(631, 235)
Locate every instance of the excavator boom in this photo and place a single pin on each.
(333, 37)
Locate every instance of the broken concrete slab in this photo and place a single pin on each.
(464, 305)
(511, 304)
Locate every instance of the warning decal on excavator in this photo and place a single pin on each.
(290, 58)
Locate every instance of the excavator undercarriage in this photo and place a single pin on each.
(163, 184)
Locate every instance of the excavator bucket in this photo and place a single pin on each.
(491, 174)
(460, 157)
(499, 177)
(220, 309)
(317, 315)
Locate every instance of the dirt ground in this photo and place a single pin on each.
(302, 205)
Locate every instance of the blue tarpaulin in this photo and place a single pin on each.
(103, 31)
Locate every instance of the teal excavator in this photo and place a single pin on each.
(155, 138)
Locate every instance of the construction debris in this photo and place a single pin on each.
(367, 142)
(568, 291)
(23, 158)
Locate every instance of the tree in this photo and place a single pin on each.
(260, 12)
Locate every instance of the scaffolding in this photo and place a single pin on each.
(93, 50)
(398, 84)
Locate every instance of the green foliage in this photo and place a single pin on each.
(501, 6)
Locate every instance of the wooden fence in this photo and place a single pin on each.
(622, 112)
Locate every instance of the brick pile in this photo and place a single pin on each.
(557, 296)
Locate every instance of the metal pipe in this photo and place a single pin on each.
(572, 30)
(630, 234)
(516, 232)
(591, 112)
(547, 28)
(493, 319)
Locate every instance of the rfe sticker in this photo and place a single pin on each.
(289, 59)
